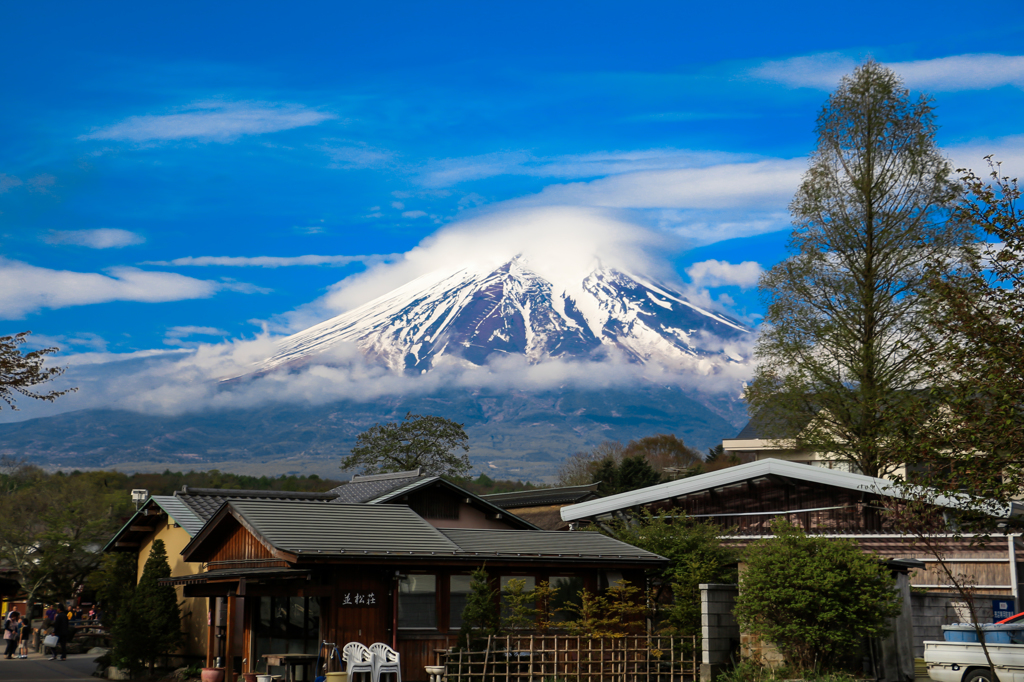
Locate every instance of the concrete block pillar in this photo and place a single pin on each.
(720, 635)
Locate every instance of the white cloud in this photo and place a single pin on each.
(180, 381)
(271, 261)
(717, 273)
(397, 205)
(190, 330)
(103, 238)
(7, 182)
(414, 214)
(944, 74)
(447, 172)
(360, 155)
(175, 336)
(93, 342)
(26, 288)
(760, 184)
(1007, 150)
(561, 243)
(212, 121)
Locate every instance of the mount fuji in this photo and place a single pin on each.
(469, 314)
(463, 318)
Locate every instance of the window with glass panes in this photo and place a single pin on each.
(417, 601)
(289, 625)
(458, 593)
(566, 590)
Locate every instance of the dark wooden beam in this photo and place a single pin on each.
(141, 529)
(122, 543)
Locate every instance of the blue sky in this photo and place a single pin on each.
(158, 158)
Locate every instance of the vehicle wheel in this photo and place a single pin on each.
(980, 675)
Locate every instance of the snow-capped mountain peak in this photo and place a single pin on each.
(470, 313)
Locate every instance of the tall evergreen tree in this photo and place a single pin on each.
(157, 605)
(839, 356)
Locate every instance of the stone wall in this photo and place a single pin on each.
(720, 635)
(932, 610)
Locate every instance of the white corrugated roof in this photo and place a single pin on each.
(746, 472)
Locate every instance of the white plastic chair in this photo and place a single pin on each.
(385, 661)
(358, 659)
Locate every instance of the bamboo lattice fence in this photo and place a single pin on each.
(562, 658)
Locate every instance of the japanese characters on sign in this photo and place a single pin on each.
(359, 599)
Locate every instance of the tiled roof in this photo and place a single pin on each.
(204, 502)
(308, 528)
(543, 496)
(181, 514)
(142, 517)
(544, 543)
(343, 531)
(480, 502)
(366, 488)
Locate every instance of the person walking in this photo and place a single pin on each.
(11, 633)
(63, 631)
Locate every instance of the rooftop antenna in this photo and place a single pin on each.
(139, 495)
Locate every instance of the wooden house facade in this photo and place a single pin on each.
(282, 576)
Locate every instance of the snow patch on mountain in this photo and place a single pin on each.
(470, 313)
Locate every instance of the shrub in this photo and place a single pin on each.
(814, 598)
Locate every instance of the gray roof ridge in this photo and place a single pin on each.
(401, 490)
(234, 492)
(360, 478)
(538, 491)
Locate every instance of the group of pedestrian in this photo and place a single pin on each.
(18, 631)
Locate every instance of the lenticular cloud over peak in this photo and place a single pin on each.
(562, 245)
(560, 283)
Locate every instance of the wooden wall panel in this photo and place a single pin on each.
(241, 549)
(358, 623)
(418, 651)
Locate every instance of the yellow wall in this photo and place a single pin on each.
(193, 609)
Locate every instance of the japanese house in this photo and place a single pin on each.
(395, 553)
(293, 573)
(744, 499)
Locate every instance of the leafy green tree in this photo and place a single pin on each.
(664, 451)
(839, 355)
(53, 525)
(695, 554)
(518, 607)
(114, 583)
(815, 598)
(632, 473)
(480, 615)
(974, 345)
(428, 442)
(580, 467)
(618, 611)
(21, 372)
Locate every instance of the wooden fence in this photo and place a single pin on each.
(561, 658)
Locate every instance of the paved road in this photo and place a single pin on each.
(36, 668)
